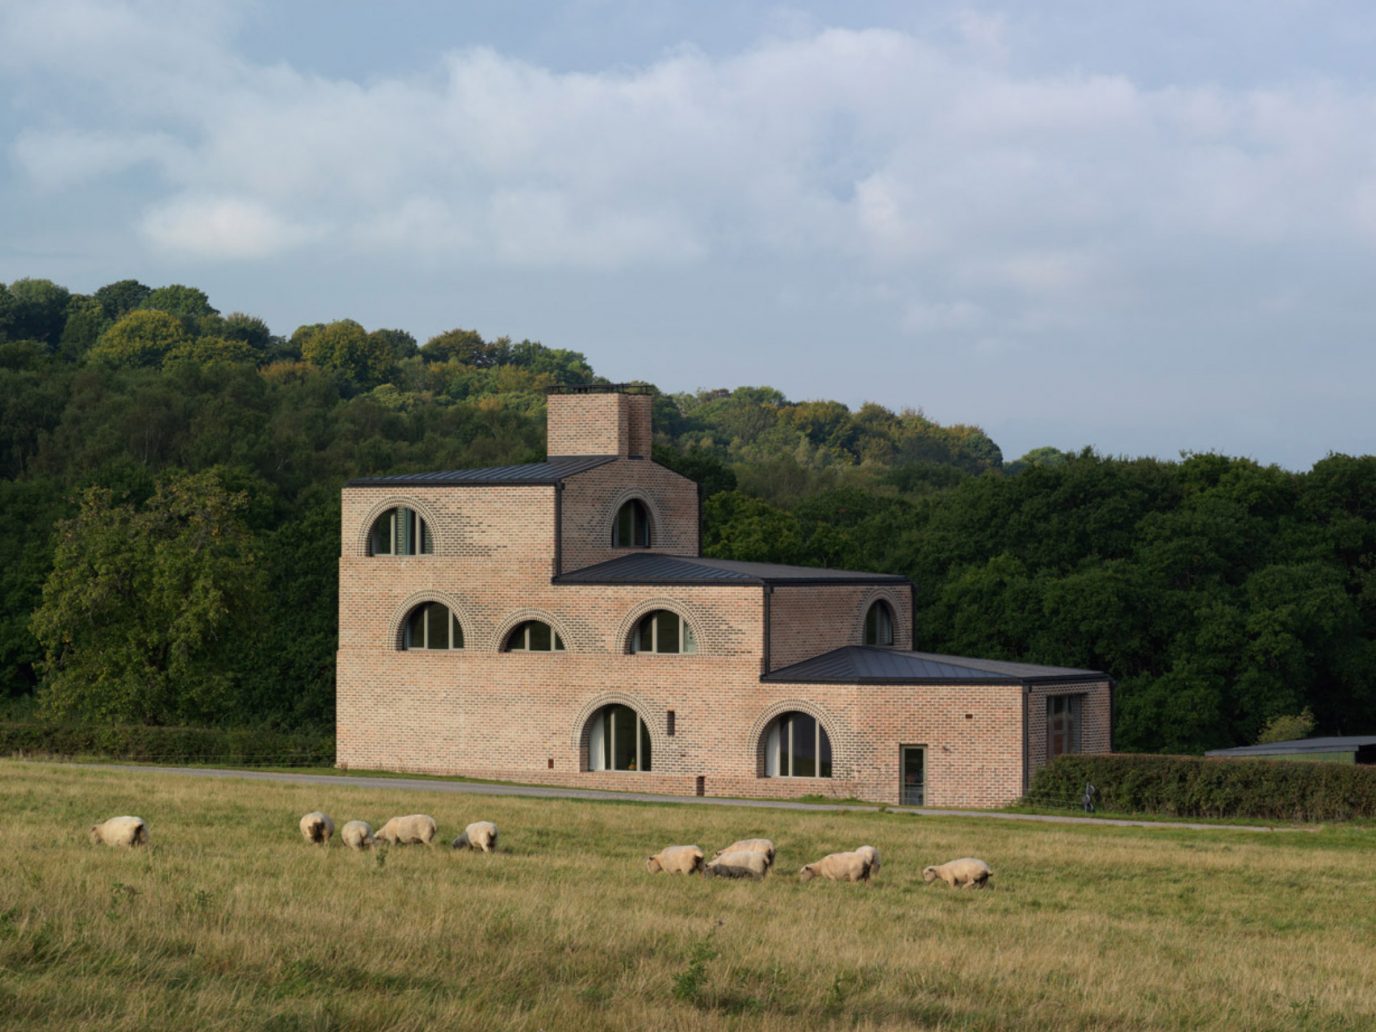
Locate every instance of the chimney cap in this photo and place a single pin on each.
(601, 388)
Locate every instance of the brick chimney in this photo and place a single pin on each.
(599, 419)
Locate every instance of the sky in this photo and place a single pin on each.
(1146, 228)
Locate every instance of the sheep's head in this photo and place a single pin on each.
(652, 864)
(929, 874)
(95, 834)
(808, 872)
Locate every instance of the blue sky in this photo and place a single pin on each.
(1144, 227)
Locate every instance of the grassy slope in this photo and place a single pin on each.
(229, 920)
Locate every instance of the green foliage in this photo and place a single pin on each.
(141, 612)
(1288, 727)
(117, 299)
(1188, 786)
(140, 339)
(188, 304)
(346, 348)
(34, 309)
(142, 743)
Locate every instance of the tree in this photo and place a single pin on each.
(34, 309)
(140, 339)
(188, 304)
(121, 298)
(1288, 728)
(145, 612)
(400, 343)
(345, 347)
(468, 347)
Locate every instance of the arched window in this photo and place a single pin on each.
(879, 624)
(618, 740)
(632, 528)
(431, 625)
(400, 531)
(663, 631)
(534, 636)
(796, 746)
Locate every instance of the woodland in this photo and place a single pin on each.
(169, 521)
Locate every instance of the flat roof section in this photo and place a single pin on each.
(551, 471)
(653, 568)
(871, 664)
(1348, 743)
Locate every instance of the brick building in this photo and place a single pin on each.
(554, 622)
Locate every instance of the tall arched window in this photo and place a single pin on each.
(663, 631)
(796, 746)
(879, 624)
(431, 625)
(400, 531)
(533, 636)
(618, 740)
(632, 528)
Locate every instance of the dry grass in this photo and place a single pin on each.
(230, 921)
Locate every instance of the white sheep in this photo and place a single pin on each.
(754, 845)
(317, 827)
(872, 854)
(357, 834)
(675, 860)
(744, 863)
(120, 831)
(478, 835)
(401, 831)
(965, 873)
(852, 867)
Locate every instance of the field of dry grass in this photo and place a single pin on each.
(229, 920)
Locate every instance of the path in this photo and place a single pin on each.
(542, 792)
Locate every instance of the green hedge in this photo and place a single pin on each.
(1194, 786)
(232, 746)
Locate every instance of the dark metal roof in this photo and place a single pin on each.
(551, 471)
(869, 664)
(602, 388)
(654, 568)
(1348, 743)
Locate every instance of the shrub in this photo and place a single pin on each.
(145, 744)
(1193, 786)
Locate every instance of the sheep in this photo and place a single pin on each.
(317, 827)
(754, 845)
(744, 863)
(675, 860)
(872, 855)
(965, 873)
(478, 835)
(357, 834)
(401, 831)
(838, 867)
(120, 831)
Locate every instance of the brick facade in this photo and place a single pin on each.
(482, 712)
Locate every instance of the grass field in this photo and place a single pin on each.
(229, 920)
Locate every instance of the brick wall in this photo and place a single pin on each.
(1096, 730)
(592, 499)
(599, 424)
(806, 621)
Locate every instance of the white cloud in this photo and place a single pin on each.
(221, 227)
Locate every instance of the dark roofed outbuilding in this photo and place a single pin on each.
(1342, 749)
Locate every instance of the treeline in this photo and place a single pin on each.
(169, 513)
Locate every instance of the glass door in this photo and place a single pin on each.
(913, 790)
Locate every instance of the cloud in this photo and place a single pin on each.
(220, 227)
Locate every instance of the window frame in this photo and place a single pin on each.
(523, 629)
(880, 606)
(641, 535)
(823, 756)
(454, 628)
(417, 533)
(1065, 724)
(687, 637)
(602, 740)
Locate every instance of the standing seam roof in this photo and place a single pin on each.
(551, 471)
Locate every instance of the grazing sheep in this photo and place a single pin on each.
(317, 827)
(744, 863)
(838, 867)
(357, 834)
(872, 854)
(120, 831)
(402, 831)
(965, 873)
(754, 845)
(478, 835)
(675, 860)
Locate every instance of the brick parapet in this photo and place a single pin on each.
(592, 499)
(807, 620)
